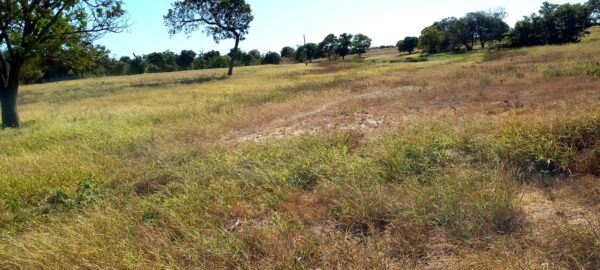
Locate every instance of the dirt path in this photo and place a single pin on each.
(328, 116)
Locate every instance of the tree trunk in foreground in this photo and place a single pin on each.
(8, 99)
(234, 56)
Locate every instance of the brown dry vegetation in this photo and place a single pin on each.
(472, 161)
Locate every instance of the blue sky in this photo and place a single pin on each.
(279, 23)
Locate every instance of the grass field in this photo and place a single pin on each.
(468, 161)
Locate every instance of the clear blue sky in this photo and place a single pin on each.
(279, 23)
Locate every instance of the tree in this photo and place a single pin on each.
(223, 19)
(288, 52)
(594, 9)
(30, 29)
(300, 55)
(489, 26)
(250, 58)
(344, 42)
(571, 22)
(120, 67)
(360, 44)
(408, 44)
(185, 59)
(310, 49)
(431, 39)
(328, 45)
(271, 58)
(554, 24)
(443, 26)
(161, 62)
(138, 65)
(68, 63)
(461, 32)
(211, 54)
(219, 62)
(213, 59)
(254, 58)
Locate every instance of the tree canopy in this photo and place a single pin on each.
(554, 24)
(328, 45)
(360, 44)
(488, 26)
(185, 59)
(48, 30)
(594, 8)
(222, 19)
(344, 43)
(288, 52)
(408, 44)
(431, 39)
(310, 51)
(271, 58)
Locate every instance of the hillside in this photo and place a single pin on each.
(466, 161)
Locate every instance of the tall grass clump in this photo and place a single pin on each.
(550, 148)
(470, 203)
(574, 246)
(419, 154)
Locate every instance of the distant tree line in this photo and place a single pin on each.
(98, 62)
(554, 24)
(332, 46)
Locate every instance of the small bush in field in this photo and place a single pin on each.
(85, 193)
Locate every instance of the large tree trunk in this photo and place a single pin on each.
(234, 56)
(468, 46)
(8, 99)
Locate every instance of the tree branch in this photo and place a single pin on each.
(4, 36)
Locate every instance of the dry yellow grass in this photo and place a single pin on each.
(475, 161)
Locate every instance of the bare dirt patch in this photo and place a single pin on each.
(356, 112)
(372, 112)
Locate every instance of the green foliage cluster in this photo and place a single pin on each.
(331, 45)
(555, 24)
(408, 44)
(451, 34)
(85, 193)
(36, 70)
